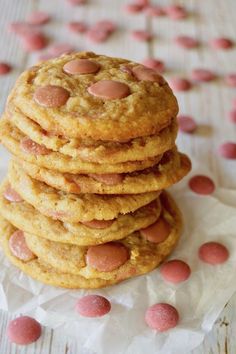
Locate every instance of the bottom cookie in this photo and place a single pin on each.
(153, 255)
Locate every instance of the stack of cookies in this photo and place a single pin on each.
(93, 145)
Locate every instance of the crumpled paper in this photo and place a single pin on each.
(198, 300)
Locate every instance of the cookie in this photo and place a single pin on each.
(89, 150)
(26, 218)
(130, 257)
(172, 167)
(70, 207)
(95, 96)
(26, 149)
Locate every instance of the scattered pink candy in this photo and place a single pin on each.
(186, 42)
(232, 116)
(228, 150)
(5, 68)
(154, 64)
(176, 12)
(60, 48)
(105, 25)
(175, 271)
(23, 330)
(234, 102)
(161, 317)
(38, 18)
(230, 80)
(202, 75)
(180, 84)
(77, 27)
(97, 36)
(221, 43)
(142, 36)
(19, 247)
(93, 306)
(34, 41)
(155, 11)
(213, 253)
(186, 124)
(22, 28)
(76, 2)
(133, 8)
(201, 185)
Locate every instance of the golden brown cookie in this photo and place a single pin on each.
(117, 101)
(25, 217)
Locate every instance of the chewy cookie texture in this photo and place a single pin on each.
(93, 145)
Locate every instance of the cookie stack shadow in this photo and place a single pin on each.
(93, 143)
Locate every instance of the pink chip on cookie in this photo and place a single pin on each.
(109, 89)
(213, 253)
(31, 147)
(157, 232)
(93, 306)
(110, 179)
(201, 185)
(146, 74)
(98, 224)
(175, 271)
(11, 195)
(19, 248)
(107, 257)
(154, 64)
(23, 330)
(81, 66)
(51, 96)
(161, 317)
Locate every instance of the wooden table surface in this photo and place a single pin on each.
(208, 103)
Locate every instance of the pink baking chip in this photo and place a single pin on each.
(109, 89)
(202, 75)
(105, 25)
(154, 64)
(38, 18)
(98, 224)
(213, 253)
(22, 28)
(201, 184)
(155, 11)
(23, 330)
(77, 26)
(162, 317)
(97, 35)
(110, 179)
(31, 147)
(5, 68)
(58, 49)
(175, 271)
(19, 248)
(186, 42)
(157, 232)
(228, 150)
(11, 195)
(133, 8)
(81, 66)
(232, 116)
(186, 124)
(76, 2)
(176, 12)
(107, 256)
(33, 41)
(93, 306)
(221, 43)
(230, 79)
(142, 35)
(51, 96)
(180, 84)
(234, 102)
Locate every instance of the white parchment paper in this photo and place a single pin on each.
(198, 300)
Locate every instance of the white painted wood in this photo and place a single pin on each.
(209, 104)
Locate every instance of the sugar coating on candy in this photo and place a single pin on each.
(201, 185)
(107, 257)
(5, 68)
(109, 89)
(81, 66)
(77, 26)
(38, 18)
(162, 317)
(228, 150)
(213, 253)
(31, 147)
(51, 96)
(154, 64)
(186, 42)
(230, 80)
(19, 248)
(110, 179)
(11, 195)
(186, 124)
(98, 224)
(180, 84)
(34, 41)
(202, 75)
(23, 330)
(175, 271)
(157, 232)
(232, 116)
(221, 43)
(142, 35)
(93, 306)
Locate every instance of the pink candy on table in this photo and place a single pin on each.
(155, 11)
(19, 248)
(38, 18)
(186, 124)
(162, 317)
(33, 41)
(22, 28)
(221, 43)
(234, 102)
(202, 75)
(228, 150)
(154, 64)
(157, 232)
(77, 26)
(105, 25)
(11, 195)
(176, 12)
(23, 330)
(76, 2)
(232, 116)
(230, 79)
(180, 84)
(213, 253)
(186, 42)
(175, 271)
(5, 68)
(93, 306)
(133, 8)
(58, 49)
(142, 35)
(101, 31)
(109, 89)
(202, 185)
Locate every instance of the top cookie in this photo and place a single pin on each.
(84, 95)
